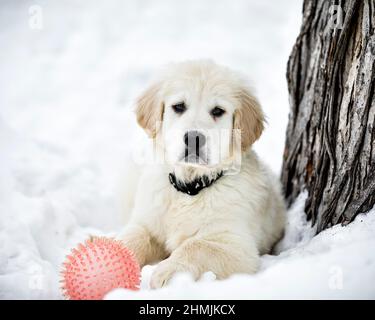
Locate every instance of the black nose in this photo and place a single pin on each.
(194, 140)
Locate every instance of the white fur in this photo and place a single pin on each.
(227, 226)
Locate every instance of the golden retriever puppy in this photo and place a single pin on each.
(206, 203)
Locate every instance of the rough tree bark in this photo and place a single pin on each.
(330, 141)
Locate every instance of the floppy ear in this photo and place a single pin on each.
(249, 118)
(149, 110)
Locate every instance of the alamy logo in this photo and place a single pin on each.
(336, 19)
(37, 278)
(195, 147)
(36, 17)
(336, 278)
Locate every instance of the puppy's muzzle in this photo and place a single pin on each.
(194, 147)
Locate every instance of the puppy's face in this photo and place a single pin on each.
(194, 109)
(197, 120)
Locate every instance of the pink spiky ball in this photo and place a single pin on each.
(98, 266)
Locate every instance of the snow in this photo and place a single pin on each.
(67, 86)
(338, 263)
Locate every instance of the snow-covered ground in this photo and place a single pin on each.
(69, 73)
(336, 264)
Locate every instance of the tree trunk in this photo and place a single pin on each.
(330, 141)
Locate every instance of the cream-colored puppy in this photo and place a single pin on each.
(207, 203)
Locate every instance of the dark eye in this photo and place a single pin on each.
(179, 107)
(217, 112)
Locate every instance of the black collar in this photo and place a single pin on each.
(194, 187)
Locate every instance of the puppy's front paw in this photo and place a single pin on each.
(166, 270)
(163, 273)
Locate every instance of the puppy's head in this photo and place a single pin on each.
(194, 108)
